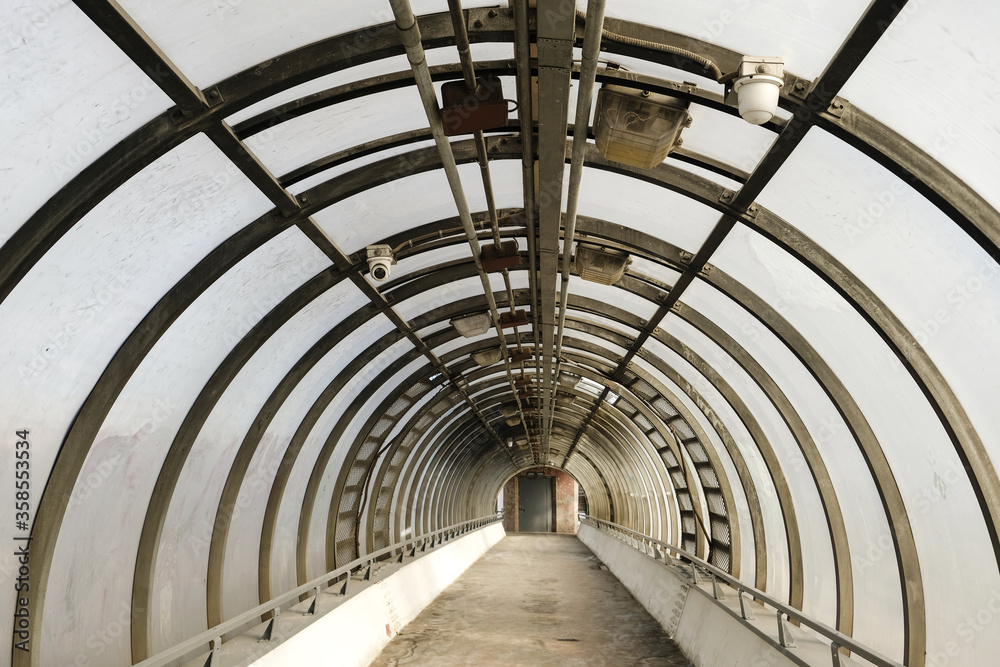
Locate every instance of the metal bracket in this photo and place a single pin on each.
(726, 197)
(784, 634)
(343, 588)
(213, 96)
(311, 611)
(837, 106)
(269, 630)
(835, 651)
(797, 87)
(745, 610)
(555, 54)
(716, 591)
(213, 651)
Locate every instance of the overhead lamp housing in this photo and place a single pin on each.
(508, 410)
(756, 86)
(601, 265)
(487, 357)
(565, 400)
(471, 326)
(568, 379)
(513, 421)
(637, 127)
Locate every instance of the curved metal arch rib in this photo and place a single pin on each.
(26, 250)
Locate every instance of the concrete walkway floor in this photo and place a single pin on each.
(534, 599)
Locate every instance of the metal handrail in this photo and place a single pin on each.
(838, 640)
(211, 637)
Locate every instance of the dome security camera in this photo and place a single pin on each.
(380, 261)
(756, 85)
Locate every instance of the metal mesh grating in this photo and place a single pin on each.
(668, 457)
(626, 407)
(720, 531)
(349, 498)
(677, 477)
(380, 429)
(688, 524)
(682, 429)
(664, 407)
(643, 423)
(721, 559)
(697, 452)
(357, 473)
(346, 551)
(716, 504)
(708, 477)
(657, 439)
(400, 406)
(643, 388)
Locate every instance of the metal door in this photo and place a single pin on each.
(535, 504)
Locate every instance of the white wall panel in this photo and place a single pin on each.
(95, 555)
(941, 506)
(57, 115)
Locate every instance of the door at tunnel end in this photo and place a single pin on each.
(541, 500)
(535, 504)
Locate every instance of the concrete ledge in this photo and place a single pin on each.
(709, 632)
(351, 631)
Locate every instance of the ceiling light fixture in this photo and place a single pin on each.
(471, 326)
(487, 357)
(568, 379)
(638, 128)
(565, 400)
(601, 265)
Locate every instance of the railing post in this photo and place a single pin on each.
(269, 630)
(835, 651)
(312, 606)
(745, 610)
(694, 574)
(716, 591)
(213, 652)
(784, 634)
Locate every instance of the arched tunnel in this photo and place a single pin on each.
(283, 285)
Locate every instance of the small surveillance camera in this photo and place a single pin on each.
(380, 261)
(757, 85)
